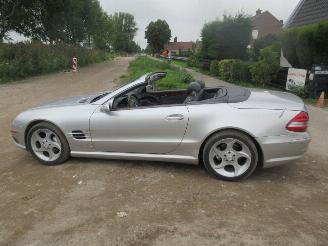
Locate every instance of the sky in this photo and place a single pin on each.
(186, 17)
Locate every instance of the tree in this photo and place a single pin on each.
(133, 47)
(102, 34)
(78, 22)
(124, 30)
(157, 33)
(264, 70)
(263, 42)
(227, 38)
(12, 13)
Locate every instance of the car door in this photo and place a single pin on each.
(151, 130)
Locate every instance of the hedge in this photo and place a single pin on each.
(233, 70)
(307, 45)
(33, 58)
(224, 67)
(266, 68)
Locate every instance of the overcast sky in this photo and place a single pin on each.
(186, 17)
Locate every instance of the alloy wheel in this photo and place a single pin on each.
(230, 157)
(46, 145)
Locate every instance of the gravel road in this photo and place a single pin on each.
(104, 202)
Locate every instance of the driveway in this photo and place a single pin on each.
(104, 202)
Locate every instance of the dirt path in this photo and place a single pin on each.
(165, 204)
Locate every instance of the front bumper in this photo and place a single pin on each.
(18, 138)
(278, 150)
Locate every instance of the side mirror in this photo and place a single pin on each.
(107, 107)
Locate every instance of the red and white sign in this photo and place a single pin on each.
(74, 64)
(296, 78)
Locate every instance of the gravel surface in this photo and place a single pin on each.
(104, 202)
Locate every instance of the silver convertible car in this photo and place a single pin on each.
(232, 130)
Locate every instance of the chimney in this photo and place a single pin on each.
(175, 39)
(258, 11)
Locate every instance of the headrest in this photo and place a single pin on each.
(194, 86)
(201, 83)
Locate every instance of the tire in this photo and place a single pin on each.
(230, 155)
(48, 144)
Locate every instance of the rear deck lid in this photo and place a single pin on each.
(267, 99)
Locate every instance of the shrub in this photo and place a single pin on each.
(264, 70)
(240, 71)
(263, 42)
(185, 77)
(298, 90)
(194, 61)
(33, 58)
(225, 68)
(214, 68)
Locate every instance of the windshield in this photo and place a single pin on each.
(103, 94)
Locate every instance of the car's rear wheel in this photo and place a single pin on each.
(48, 144)
(230, 155)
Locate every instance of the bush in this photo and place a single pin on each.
(298, 90)
(33, 58)
(234, 70)
(263, 42)
(225, 67)
(185, 77)
(265, 70)
(240, 71)
(194, 61)
(214, 68)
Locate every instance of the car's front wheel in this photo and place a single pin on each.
(230, 155)
(48, 144)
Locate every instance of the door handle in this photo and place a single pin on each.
(175, 117)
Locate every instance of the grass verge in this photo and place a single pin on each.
(177, 78)
(313, 102)
(22, 60)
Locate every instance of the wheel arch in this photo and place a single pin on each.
(35, 122)
(258, 146)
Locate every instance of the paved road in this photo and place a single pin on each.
(165, 204)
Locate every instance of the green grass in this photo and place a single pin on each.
(313, 102)
(180, 63)
(240, 83)
(177, 78)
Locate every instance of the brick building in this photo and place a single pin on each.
(264, 23)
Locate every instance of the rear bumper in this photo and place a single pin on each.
(278, 150)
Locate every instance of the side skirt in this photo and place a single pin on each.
(137, 156)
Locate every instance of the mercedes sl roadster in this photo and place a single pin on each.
(231, 130)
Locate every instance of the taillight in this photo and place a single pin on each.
(299, 123)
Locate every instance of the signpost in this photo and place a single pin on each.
(296, 78)
(74, 64)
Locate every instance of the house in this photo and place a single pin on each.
(264, 23)
(308, 12)
(176, 48)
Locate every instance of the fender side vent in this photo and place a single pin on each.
(77, 134)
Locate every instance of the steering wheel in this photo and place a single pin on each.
(133, 101)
